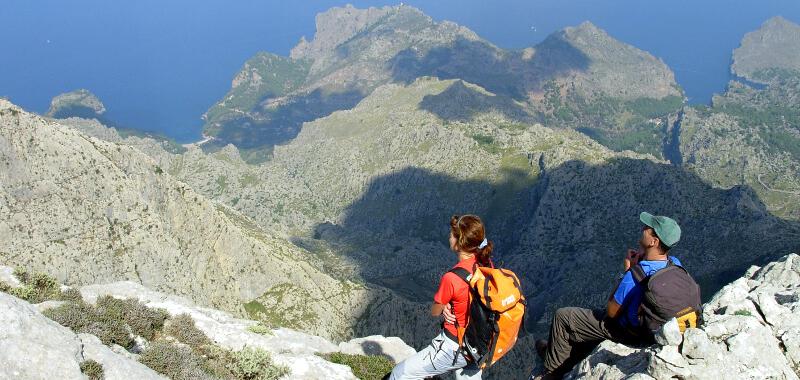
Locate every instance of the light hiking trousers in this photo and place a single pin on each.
(436, 359)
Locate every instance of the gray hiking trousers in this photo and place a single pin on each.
(575, 332)
(436, 359)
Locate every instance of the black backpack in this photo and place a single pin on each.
(668, 293)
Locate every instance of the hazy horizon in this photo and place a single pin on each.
(158, 66)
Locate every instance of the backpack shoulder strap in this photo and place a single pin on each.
(462, 273)
(638, 273)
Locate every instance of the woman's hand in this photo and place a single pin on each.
(448, 314)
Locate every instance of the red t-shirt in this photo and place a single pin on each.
(453, 289)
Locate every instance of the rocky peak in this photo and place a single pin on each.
(339, 24)
(776, 45)
(751, 331)
(80, 103)
(600, 63)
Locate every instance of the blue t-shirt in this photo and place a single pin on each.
(629, 293)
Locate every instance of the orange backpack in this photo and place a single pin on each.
(496, 310)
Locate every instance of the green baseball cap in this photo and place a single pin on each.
(666, 229)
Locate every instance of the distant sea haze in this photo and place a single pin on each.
(159, 66)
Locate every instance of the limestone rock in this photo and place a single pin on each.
(392, 347)
(115, 366)
(7, 276)
(34, 347)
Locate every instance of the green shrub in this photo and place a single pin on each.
(4, 287)
(259, 329)
(364, 367)
(142, 320)
(24, 292)
(76, 316)
(255, 364)
(21, 274)
(174, 361)
(71, 295)
(182, 328)
(45, 288)
(92, 369)
(36, 288)
(83, 318)
(744, 312)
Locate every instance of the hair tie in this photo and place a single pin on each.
(484, 243)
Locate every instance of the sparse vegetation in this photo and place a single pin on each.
(254, 364)
(743, 312)
(365, 367)
(92, 369)
(182, 328)
(260, 329)
(112, 320)
(175, 361)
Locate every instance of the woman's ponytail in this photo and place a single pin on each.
(470, 236)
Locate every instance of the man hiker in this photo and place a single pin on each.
(575, 332)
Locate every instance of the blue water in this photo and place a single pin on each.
(158, 65)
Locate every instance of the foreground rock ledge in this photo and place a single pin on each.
(35, 347)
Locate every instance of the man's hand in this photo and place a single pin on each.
(631, 258)
(448, 314)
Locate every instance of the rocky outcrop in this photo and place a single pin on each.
(776, 45)
(34, 347)
(80, 103)
(750, 331)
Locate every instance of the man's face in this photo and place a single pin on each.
(648, 238)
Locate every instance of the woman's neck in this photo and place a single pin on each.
(465, 255)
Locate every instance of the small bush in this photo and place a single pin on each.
(182, 327)
(45, 288)
(744, 312)
(83, 318)
(259, 329)
(174, 361)
(21, 274)
(76, 316)
(255, 364)
(364, 367)
(36, 288)
(4, 287)
(92, 369)
(71, 295)
(24, 292)
(142, 321)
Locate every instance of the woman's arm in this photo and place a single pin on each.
(436, 309)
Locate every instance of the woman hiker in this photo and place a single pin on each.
(468, 241)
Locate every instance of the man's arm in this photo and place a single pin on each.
(612, 307)
(436, 309)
